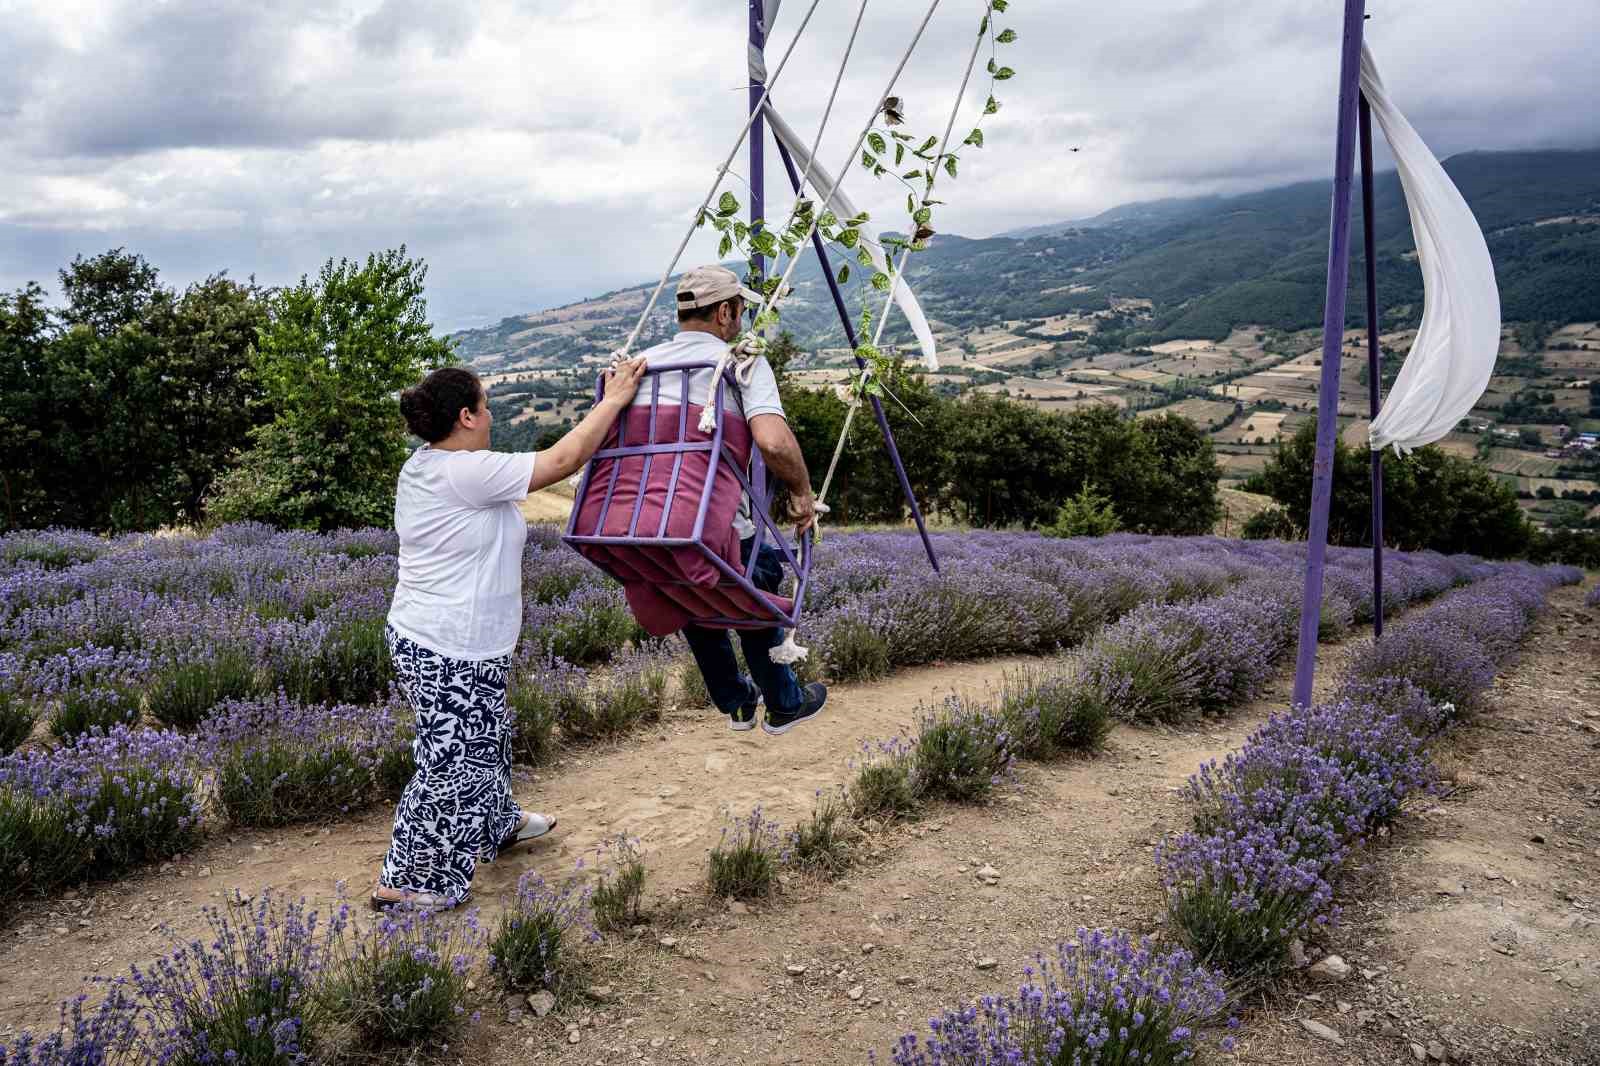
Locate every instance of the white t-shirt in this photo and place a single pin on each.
(461, 537)
(760, 396)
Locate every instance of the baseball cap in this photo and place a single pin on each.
(708, 285)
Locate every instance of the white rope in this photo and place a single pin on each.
(708, 417)
(888, 303)
(722, 172)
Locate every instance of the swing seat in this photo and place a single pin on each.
(655, 510)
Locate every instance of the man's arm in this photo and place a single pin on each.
(782, 453)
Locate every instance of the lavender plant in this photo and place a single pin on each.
(404, 983)
(530, 946)
(824, 843)
(83, 1037)
(633, 692)
(186, 685)
(1103, 998)
(249, 996)
(1049, 714)
(963, 749)
(885, 781)
(543, 692)
(90, 688)
(618, 898)
(744, 863)
(588, 626)
(18, 713)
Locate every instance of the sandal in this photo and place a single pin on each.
(533, 827)
(418, 900)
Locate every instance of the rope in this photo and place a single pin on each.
(744, 349)
(888, 304)
(722, 172)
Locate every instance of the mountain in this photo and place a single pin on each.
(1190, 268)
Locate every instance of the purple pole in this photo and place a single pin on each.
(1332, 346)
(850, 335)
(1374, 358)
(758, 208)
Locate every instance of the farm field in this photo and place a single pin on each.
(953, 901)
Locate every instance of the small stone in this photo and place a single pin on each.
(1449, 887)
(1367, 975)
(656, 1042)
(61, 930)
(668, 942)
(868, 948)
(541, 1003)
(988, 963)
(574, 1036)
(602, 993)
(989, 875)
(794, 971)
(1419, 1053)
(1365, 1017)
(1436, 1051)
(205, 871)
(1330, 970)
(905, 979)
(855, 992)
(738, 908)
(1321, 1032)
(1342, 1007)
(1537, 838)
(1297, 955)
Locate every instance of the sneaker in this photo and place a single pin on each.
(743, 718)
(816, 694)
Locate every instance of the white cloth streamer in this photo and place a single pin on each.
(1453, 356)
(842, 206)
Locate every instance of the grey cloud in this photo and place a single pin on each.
(445, 27)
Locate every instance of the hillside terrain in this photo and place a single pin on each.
(1208, 307)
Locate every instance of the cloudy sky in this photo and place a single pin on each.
(535, 151)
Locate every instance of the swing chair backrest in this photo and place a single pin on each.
(655, 510)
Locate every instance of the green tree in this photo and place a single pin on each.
(330, 360)
(1088, 514)
(1182, 497)
(24, 379)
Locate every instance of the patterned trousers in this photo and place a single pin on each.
(458, 805)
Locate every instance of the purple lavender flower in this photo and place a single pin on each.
(528, 948)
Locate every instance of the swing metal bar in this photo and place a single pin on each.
(1374, 356)
(1332, 348)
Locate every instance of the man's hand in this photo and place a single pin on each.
(803, 512)
(622, 382)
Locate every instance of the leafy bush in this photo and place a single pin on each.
(1104, 998)
(1272, 523)
(852, 649)
(529, 947)
(885, 782)
(90, 687)
(619, 893)
(744, 864)
(962, 750)
(589, 626)
(18, 716)
(1048, 715)
(1087, 514)
(692, 691)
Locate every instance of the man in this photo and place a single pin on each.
(711, 304)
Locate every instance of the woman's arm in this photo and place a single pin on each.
(568, 455)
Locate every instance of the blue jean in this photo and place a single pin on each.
(713, 650)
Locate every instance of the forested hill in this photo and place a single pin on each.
(1206, 265)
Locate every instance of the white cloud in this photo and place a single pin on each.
(533, 150)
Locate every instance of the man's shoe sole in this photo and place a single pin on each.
(779, 730)
(741, 727)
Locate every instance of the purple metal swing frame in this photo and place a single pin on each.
(658, 549)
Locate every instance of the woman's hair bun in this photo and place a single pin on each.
(432, 407)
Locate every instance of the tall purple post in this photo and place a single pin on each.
(1374, 357)
(1332, 347)
(758, 209)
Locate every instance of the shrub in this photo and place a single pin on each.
(630, 694)
(851, 648)
(1272, 523)
(1088, 514)
(528, 949)
(90, 687)
(42, 843)
(17, 719)
(745, 862)
(397, 760)
(962, 750)
(885, 783)
(278, 762)
(247, 996)
(619, 893)
(589, 626)
(541, 694)
(51, 549)
(692, 691)
(823, 843)
(1104, 998)
(355, 661)
(1050, 714)
(186, 686)
(1430, 656)
(405, 982)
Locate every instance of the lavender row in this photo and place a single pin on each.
(1274, 822)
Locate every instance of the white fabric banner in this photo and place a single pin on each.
(841, 205)
(1453, 356)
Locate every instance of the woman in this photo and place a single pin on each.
(454, 622)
